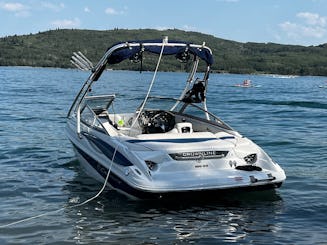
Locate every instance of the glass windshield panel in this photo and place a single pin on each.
(99, 103)
(90, 118)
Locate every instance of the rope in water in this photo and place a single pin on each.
(69, 207)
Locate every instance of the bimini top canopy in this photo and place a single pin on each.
(128, 50)
(134, 49)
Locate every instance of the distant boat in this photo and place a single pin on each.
(246, 84)
(323, 86)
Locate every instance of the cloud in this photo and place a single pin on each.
(23, 10)
(296, 31)
(112, 11)
(189, 28)
(66, 23)
(312, 18)
(309, 25)
(17, 8)
(163, 28)
(87, 10)
(13, 7)
(53, 7)
(184, 27)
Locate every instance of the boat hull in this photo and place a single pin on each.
(99, 172)
(168, 149)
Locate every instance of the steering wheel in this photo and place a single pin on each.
(158, 122)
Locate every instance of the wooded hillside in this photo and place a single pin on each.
(54, 49)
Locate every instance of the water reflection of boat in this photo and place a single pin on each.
(159, 152)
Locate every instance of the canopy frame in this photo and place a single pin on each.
(127, 50)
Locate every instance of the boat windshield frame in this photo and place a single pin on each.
(216, 120)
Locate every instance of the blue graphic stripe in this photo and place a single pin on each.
(114, 180)
(184, 140)
(108, 150)
(227, 137)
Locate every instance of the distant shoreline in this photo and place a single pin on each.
(117, 70)
(54, 49)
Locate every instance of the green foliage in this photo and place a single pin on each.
(54, 49)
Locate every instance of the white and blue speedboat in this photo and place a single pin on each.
(155, 152)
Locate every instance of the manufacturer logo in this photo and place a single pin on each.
(198, 155)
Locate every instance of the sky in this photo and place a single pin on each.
(298, 22)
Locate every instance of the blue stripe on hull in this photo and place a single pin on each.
(182, 141)
(108, 150)
(114, 180)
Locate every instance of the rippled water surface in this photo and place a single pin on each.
(39, 173)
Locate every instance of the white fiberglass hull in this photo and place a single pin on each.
(172, 177)
(166, 146)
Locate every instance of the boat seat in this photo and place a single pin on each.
(182, 128)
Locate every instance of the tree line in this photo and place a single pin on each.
(54, 48)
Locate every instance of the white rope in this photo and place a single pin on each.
(164, 41)
(69, 207)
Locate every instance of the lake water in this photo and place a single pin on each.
(39, 172)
